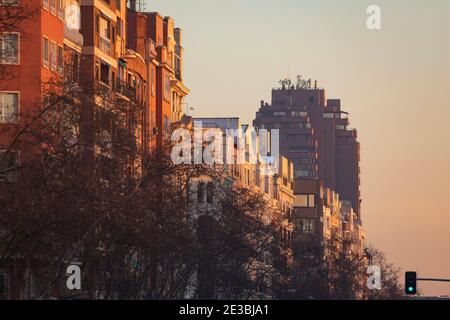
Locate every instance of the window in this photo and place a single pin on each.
(72, 68)
(328, 115)
(8, 165)
(4, 285)
(311, 99)
(295, 149)
(9, 2)
(200, 192)
(167, 87)
(305, 200)
(45, 53)
(153, 84)
(104, 74)
(299, 113)
(9, 48)
(61, 9)
(209, 192)
(306, 225)
(279, 113)
(60, 59)
(266, 185)
(53, 56)
(45, 4)
(53, 7)
(9, 107)
(302, 173)
(166, 125)
(119, 26)
(103, 28)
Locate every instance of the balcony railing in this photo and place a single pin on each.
(121, 87)
(105, 45)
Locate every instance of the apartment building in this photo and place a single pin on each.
(274, 183)
(315, 134)
(100, 48)
(157, 38)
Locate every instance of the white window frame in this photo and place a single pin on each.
(46, 63)
(17, 118)
(18, 49)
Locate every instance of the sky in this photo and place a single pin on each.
(395, 83)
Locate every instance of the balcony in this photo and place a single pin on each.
(105, 45)
(152, 52)
(122, 88)
(73, 35)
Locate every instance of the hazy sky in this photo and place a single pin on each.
(395, 83)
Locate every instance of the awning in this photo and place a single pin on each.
(122, 63)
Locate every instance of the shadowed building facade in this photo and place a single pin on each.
(314, 134)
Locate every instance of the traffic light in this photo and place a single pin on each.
(410, 282)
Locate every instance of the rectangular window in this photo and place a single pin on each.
(312, 200)
(61, 9)
(45, 4)
(60, 59)
(307, 225)
(295, 149)
(53, 7)
(167, 88)
(301, 173)
(209, 192)
(9, 48)
(8, 165)
(166, 125)
(299, 114)
(119, 26)
(45, 53)
(279, 113)
(53, 56)
(9, 107)
(301, 201)
(200, 192)
(104, 74)
(103, 28)
(305, 200)
(9, 2)
(4, 285)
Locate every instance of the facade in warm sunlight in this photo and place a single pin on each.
(111, 50)
(117, 56)
(156, 38)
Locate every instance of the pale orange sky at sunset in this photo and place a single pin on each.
(394, 82)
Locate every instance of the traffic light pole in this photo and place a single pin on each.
(433, 279)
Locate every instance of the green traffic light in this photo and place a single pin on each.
(411, 289)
